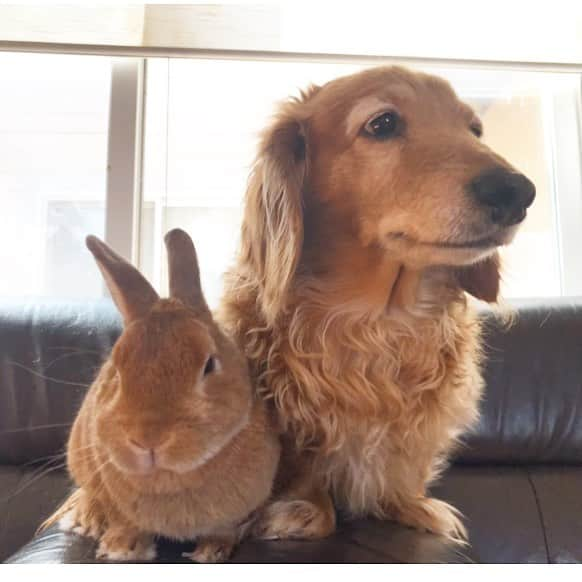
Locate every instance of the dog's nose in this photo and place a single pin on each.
(506, 194)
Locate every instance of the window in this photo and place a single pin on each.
(53, 150)
(201, 120)
(200, 140)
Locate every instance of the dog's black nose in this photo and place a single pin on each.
(506, 194)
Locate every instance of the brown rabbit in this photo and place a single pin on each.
(170, 439)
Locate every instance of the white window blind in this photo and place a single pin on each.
(496, 30)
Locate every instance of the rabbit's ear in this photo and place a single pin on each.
(130, 291)
(183, 271)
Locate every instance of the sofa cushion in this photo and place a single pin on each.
(501, 512)
(558, 491)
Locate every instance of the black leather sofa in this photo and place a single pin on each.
(517, 479)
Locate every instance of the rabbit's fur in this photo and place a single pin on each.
(171, 439)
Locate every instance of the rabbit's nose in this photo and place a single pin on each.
(142, 444)
(146, 451)
(147, 439)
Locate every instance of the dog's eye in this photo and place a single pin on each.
(383, 126)
(210, 366)
(476, 128)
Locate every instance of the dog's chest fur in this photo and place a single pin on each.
(377, 398)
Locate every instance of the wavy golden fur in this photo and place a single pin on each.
(349, 295)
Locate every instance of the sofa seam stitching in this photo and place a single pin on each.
(372, 550)
(540, 514)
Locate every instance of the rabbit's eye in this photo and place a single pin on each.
(210, 366)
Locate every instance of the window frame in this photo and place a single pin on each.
(566, 137)
(124, 156)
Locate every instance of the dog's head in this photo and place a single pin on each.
(394, 159)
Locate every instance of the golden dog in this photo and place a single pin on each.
(372, 208)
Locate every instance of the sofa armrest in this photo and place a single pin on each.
(28, 495)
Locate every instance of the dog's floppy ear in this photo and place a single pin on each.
(482, 279)
(272, 233)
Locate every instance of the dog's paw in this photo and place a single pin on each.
(294, 520)
(433, 515)
(210, 551)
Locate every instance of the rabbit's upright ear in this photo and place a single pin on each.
(130, 291)
(183, 271)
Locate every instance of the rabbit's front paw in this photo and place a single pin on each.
(82, 522)
(122, 545)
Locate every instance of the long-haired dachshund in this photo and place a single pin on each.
(372, 208)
